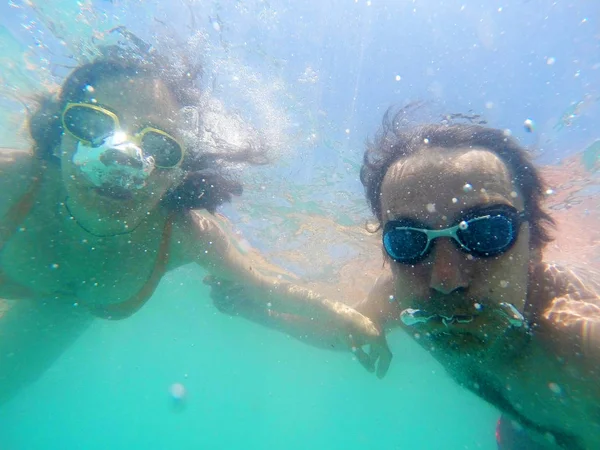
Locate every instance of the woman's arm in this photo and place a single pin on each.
(271, 296)
(229, 298)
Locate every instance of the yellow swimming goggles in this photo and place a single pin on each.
(92, 124)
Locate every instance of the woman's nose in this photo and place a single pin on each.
(449, 272)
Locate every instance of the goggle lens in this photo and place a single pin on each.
(405, 244)
(165, 150)
(87, 124)
(487, 236)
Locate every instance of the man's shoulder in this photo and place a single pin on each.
(553, 280)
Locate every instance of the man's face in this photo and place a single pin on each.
(435, 188)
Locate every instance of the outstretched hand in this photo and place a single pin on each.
(370, 347)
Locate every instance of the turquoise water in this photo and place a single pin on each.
(247, 388)
(315, 77)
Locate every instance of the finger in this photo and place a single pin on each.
(364, 359)
(385, 358)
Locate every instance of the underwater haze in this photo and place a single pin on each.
(315, 79)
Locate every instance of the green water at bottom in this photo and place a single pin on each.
(247, 388)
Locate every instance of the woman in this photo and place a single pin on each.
(117, 192)
(463, 230)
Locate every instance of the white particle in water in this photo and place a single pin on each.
(398, 77)
(503, 283)
(431, 207)
(177, 391)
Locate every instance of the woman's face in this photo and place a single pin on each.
(138, 103)
(435, 188)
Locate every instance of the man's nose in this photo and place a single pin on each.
(448, 273)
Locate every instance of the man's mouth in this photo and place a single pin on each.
(506, 312)
(412, 317)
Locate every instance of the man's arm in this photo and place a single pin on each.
(569, 320)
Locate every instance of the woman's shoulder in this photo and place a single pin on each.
(17, 174)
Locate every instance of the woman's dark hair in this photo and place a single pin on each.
(206, 184)
(392, 144)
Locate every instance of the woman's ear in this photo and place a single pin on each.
(46, 129)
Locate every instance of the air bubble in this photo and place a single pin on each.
(463, 225)
(555, 388)
(467, 187)
(177, 391)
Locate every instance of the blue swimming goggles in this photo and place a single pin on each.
(485, 232)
